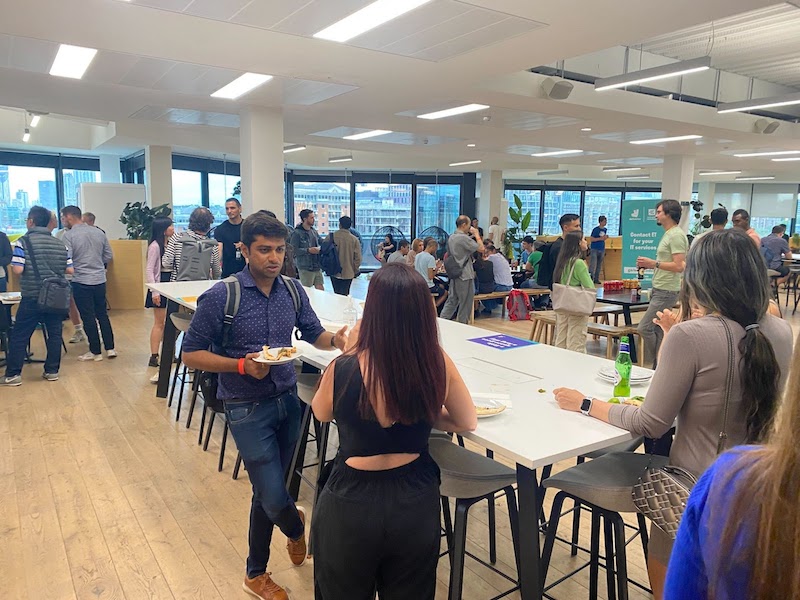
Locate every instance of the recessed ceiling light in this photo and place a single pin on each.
(471, 145)
(758, 103)
(35, 120)
(759, 178)
(678, 138)
(26, 136)
(241, 85)
(786, 159)
(293, 148)
(683, 67)
(367, 18)
(367, 134)
(72, 61)
(452, 112)
(620, 169)
(633, 176)
(775, 153)
(340, 159)
(709, 173)
(466, 162)
(586, 128)
(557, 153)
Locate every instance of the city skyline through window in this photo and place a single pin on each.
(601, 202)
(73, 178)
(438, 205)
(186, 196)
(556, 204)
(20, 189)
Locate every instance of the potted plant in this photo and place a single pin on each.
(794, 243)
(702, 222)
(514, 235)
(138, 218)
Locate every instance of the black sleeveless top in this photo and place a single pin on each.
(366, 437)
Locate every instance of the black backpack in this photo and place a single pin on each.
(329, 257)
(545, 276)
(209, 382)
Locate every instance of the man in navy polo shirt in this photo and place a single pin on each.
(261, 402)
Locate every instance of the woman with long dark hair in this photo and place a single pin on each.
(376, 524)
(740, 535)
(162, 229)
(725, 281)
(571, 270)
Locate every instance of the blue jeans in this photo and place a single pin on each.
(490, 305)
(28, 317)
(596, 263)
(265, 432)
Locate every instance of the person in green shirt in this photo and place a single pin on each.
(669, 264)
(571, 329)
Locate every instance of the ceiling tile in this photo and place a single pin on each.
(180, 78)
(410, 24)
(32, 55)
(110, 67)
(220, 10)
(268, 14)
(173, 5)
(396, 137)
(318, 15)
(302, 92)
(6, 43)
(146, 72)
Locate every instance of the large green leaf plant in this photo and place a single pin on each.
(513, 240)
(138, 218)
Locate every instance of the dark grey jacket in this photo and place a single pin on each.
(301, 240)
(51, 258)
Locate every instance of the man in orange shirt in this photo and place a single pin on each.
(741, 219)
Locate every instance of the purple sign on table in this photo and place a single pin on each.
(502, 342)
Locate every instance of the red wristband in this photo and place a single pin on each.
(241, 367)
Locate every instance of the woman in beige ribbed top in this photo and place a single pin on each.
(725, 275)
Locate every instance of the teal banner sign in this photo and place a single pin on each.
(640, 235)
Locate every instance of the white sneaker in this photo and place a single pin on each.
(77, 337)
(89, 356)
(111, 353)
(154, 378)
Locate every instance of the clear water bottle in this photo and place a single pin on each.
(623, 366)
(350, 315)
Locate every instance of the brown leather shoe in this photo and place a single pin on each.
(297, 548)
(263, 587)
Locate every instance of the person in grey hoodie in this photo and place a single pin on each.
(305, 241)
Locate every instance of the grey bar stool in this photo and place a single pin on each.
(181, 322)
(603, 485)
(470, 478)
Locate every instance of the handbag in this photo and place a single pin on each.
(661, 493)
(55, 293)
(571, 299)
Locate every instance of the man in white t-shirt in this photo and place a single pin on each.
(400, 256)
(425, 265)
(496, 232)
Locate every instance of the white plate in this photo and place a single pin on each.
(282, 361)
(495, 406)
(637, 374)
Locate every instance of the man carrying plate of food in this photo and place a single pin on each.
(259, 390)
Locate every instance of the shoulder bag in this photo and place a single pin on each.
(661, 493)
(572, 299)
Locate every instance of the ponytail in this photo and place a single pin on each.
(759, 376)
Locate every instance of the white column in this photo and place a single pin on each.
(158, 175)
(491, 199)
(109, 168)
(261, 155)
(676, 184)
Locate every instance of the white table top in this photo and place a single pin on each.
(10, 297)
(533, 432)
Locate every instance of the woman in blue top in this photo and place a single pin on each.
(740, 535)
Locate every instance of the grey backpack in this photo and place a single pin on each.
(196, 257)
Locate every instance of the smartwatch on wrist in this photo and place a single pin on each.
(658, 264)
(586, 406)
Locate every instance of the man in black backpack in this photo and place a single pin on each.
(568, 222)
(52, 259)
(261, 403)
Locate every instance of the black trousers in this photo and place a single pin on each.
(341, 286)
(91, 303)
(377, 531)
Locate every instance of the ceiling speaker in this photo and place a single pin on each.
(765, 126)
(557, 89)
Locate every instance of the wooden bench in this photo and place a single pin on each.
(544, 326)
(502, 296)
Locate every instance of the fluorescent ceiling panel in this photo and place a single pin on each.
(35, 120)
(792, 159)
(369, 17)
(633, 176)
(683, 67)
(72, 61)
(758, 103)
(340, 159)
(620, 169)
(775, 153)
(708, 173)
(557, 153)
(466, 162)
(241, 85)
(367, 134)
(451, 112)
(755, 178)
(293, 148)
(678, 138)
(555, 172)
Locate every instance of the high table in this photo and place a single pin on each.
(533, 432)
(623, 299)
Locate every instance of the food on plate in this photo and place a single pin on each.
(613, 401)
(542, 390)
(281, 353)
(634, 401)
(489, 410)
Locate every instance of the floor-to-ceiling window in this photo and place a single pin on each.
(556, 204)
(187, 194)
(605, 203)
(220, 188)
(531, 201)
(380, 205)
(20, 189)
(73, 178)
(328, 200)
(437, 206)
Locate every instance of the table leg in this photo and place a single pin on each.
(299, 456)
(626, 314)
(530, 584)
(167, 351)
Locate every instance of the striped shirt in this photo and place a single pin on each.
(18, 257)
(172, 255)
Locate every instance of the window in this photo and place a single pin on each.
(764, 225)
(796, 220)
(220, 188)
(328, 200)
(531, 201)
(186, 196)
(437, 206)
(381, 205)
(596, 203)
(556, 204)
(73, 178)
(20, 189)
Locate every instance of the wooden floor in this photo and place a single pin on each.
(104, 495)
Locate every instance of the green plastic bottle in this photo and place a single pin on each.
(623, 365)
